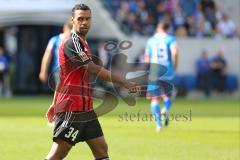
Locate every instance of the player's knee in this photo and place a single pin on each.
(104, 150)
(57, 155)
(101, 152)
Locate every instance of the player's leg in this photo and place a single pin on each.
(59, 150)
(167, 100)
(66, 134)
(167, 97)
(93, 136)
(155, 109)
(99, 148)
(153, 93)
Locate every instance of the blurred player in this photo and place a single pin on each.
(161, 49)
(73, 96)
(52, 51)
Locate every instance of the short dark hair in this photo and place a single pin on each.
(80, 6)
(163, 25)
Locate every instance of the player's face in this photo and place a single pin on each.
(82, 21)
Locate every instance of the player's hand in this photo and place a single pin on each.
(43, 77)
(132, 87)
(50, 115)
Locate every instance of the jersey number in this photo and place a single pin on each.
(162, 53)
(72, 134)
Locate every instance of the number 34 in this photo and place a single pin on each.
(73, 134)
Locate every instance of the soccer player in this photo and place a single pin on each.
(73, 96)
(52, 51)
(161, 49)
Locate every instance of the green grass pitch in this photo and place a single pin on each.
(207, 130)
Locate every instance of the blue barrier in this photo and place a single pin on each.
(189, 82)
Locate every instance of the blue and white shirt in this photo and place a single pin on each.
(53, 45)
(158, 50)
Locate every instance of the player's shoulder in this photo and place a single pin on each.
(53, 41)
(72, 38)
(55, 38)
(73, 42)
(151, 40)
(68, 43)
(171, 37)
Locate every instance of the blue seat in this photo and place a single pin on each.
(187, 81)
(190, 82)
(231, 82)
(178, 81)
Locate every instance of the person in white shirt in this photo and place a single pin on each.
(226, 27)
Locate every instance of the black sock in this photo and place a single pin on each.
(103, 158)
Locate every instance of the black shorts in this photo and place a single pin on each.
(70, 127)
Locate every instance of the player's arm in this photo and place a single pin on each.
(51, 110)
(106, 75)
(46, 62)
(75, 53)
(174, 52)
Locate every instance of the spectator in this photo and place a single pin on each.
(218, 67)
(189, 6)
(203, 73)
(219, 12)
(142, 11)
(178, 17)
(207, 5)
(130, 24)
(143, 16)
(190, 25)
(208, 8)
(3, 72)
(122, 12)
(160, 11)
(133, 7)
(204, 26)
(171, 5)
(226, 27)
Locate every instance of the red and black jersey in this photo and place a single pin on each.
(73, 92)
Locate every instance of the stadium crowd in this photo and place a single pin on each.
(195, 18)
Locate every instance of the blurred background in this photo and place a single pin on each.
(207, 78)
(205, 30)
(200, 26)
